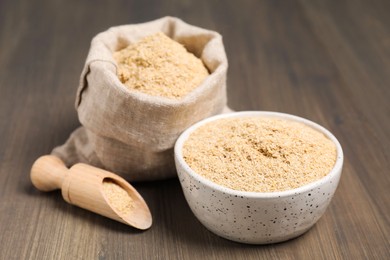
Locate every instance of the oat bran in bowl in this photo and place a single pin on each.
(258, 177)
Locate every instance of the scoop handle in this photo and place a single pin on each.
(48, 173)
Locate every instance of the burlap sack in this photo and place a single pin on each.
(131, 133)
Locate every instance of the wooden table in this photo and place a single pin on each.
(328, 61)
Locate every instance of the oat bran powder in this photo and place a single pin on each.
(259, 154)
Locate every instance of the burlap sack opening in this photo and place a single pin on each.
(131, 133)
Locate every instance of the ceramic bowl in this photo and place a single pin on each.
(254, 217)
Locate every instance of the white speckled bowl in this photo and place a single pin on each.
(254, 217)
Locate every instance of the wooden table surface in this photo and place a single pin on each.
(328, 61)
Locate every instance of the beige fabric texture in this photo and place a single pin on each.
(131, 133)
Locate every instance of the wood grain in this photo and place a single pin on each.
(328, 61)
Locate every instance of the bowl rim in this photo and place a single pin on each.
(333, 174)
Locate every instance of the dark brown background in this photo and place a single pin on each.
(328, 61)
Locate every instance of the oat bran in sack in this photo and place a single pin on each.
(132, 133)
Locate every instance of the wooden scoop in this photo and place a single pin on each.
(82, 185)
